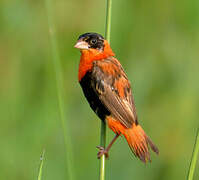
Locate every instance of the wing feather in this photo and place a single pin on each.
(113, 88)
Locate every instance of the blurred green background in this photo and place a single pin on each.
(158, 44)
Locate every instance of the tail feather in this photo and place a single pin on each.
(139, 143)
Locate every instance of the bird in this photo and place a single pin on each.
(108, 92)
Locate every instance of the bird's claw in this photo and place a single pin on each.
(102, 151)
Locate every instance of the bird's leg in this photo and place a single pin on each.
(105, 151)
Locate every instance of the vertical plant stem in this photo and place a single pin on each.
(103, 124)
(108, 20)
(59, 87)
(103, 143)
(194, 158)
(41, 165)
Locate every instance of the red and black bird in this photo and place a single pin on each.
(108, 91)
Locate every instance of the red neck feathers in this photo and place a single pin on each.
(88, 56)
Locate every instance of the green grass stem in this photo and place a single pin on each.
(108, 20)
(59, 87)
(194, 158)
(41, 165)
(102, 143)
(103, 125)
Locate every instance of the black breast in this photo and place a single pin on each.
(92, 97)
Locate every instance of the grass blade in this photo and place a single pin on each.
(103, 125)
(108, 20)
(102, 143)
(194, 158)
(41, 165)
(59, 87)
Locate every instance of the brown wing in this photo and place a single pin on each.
(113, 88)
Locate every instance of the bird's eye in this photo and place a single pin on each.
(93, 41)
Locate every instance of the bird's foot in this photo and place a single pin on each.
(102, 151)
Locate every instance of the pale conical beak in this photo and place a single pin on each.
(81, 45)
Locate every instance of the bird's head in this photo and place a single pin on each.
(93, 43)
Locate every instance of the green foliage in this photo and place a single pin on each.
(59, 88)
(157, 43)
(103, 124)
(194, 158)
(41, 166)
